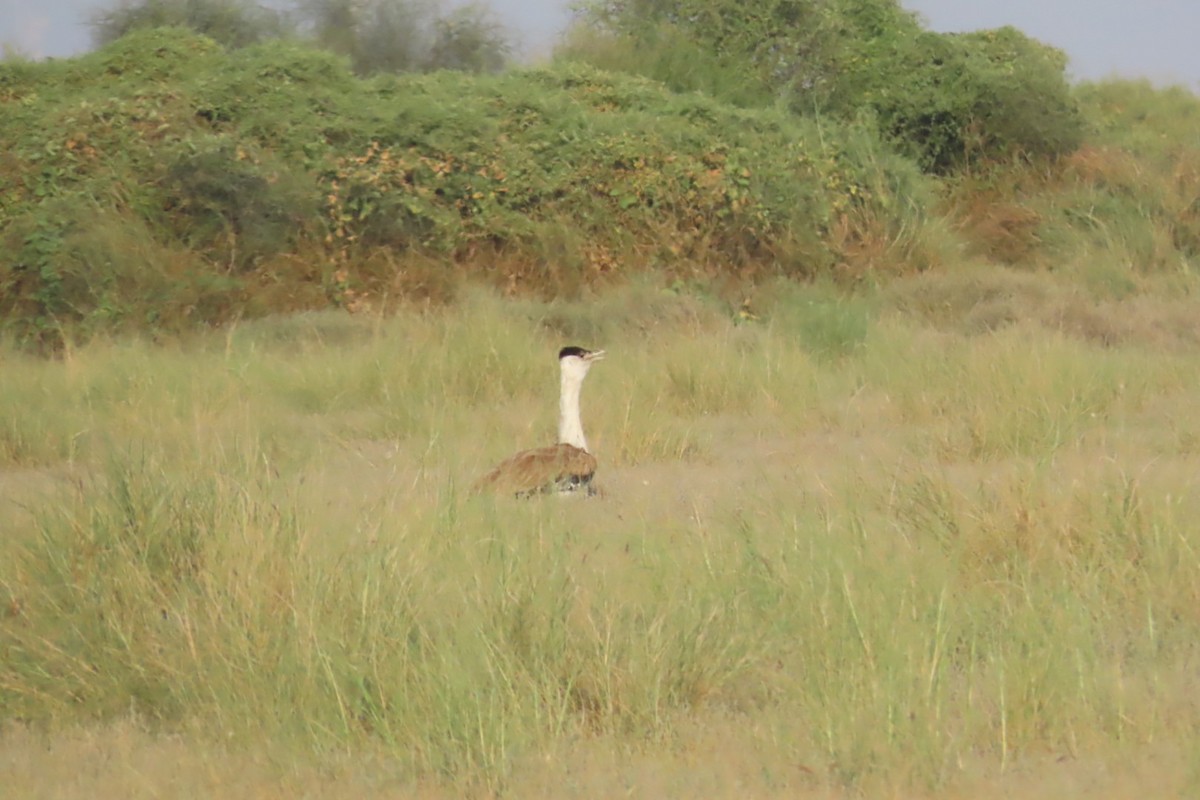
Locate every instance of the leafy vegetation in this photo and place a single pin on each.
(233, 23)
(944, 100)
(408, 35)
(376, 35)
(263, 173)
(189, 184)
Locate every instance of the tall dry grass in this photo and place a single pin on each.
(877, 554)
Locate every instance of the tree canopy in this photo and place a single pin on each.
(945, 100)
(376, 35)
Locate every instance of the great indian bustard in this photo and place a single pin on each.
(564, 467)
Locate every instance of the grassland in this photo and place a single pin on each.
(899, 466)
(937, 539)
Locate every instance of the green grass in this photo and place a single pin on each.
(877, 555)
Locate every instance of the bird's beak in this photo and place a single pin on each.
(595, 355)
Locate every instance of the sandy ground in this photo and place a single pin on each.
(711, 760)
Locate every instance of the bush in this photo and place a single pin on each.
(394, 36)
(466, 39)
(233, 23)
(235, 204)
(275, 160)
(944, 100)
(665, 53)
(77, 270)
(378, 36)
(948, 101)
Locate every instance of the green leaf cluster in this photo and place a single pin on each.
(232, 172)
(945, 100)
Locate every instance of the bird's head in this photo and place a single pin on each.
(576, 361)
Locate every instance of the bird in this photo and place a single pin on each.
(564, 467)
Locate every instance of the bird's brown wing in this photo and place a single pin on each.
(559, 467)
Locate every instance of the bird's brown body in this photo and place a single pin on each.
(558, 468)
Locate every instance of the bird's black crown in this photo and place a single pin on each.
(572, 351)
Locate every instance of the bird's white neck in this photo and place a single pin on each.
(570, 428)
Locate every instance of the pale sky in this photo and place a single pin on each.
(1155, 39)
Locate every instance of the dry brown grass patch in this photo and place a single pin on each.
(978, 300)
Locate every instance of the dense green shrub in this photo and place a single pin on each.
(948, 100)
(1157, 123)
(235, 204)
(73, 269)
(234, 162)
(234, 23)
(664, 53)
(377, 36)
(945, 100)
